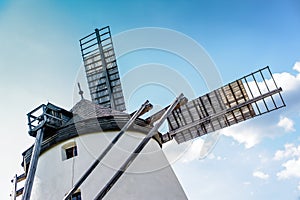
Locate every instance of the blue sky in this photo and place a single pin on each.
(40, 59)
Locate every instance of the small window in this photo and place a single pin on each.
(69, 150)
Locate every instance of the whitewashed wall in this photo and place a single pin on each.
(149, 177)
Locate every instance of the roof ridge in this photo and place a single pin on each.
(86, 109)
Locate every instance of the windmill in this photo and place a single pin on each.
(58, 131)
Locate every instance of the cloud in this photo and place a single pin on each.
(291, 169)
(247, 136)
(252, 132)
(193, 153)
(184, 152)
(292, 165)
(297, 66)
(198, 149)
(290, 151)
(286, 123)
(261, 175)
(299, 186)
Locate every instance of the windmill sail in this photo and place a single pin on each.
(245, 98)
(101, 69)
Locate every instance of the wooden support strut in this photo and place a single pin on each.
(153, 118)
(139, 148)
(144, 108)
(33, 163)
(105, 70)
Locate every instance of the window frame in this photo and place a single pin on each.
(69, 150)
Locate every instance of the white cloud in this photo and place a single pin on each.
(292, 169)
(287, 81)
(198, 149)
(261, 175)
(252, 132)
(297, 67)
(209, 143)
(292, 165)
(193, 153)
(247, 136)
(299, 186)
(184, 152)
(290, 150)
(287, 124)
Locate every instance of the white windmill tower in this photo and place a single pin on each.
(97, 151)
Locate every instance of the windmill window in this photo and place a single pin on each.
(69, 150)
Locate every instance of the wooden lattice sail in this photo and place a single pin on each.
(235, 102)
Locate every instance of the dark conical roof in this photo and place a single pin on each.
(86, 109)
